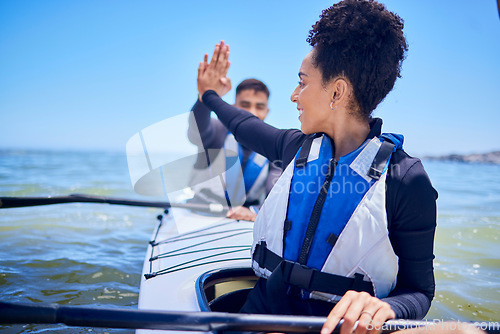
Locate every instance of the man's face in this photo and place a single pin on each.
(253, 102)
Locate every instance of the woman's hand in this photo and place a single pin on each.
(241, 213)
(213, 76)
(354, 306)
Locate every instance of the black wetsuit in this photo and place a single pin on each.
(410, 207)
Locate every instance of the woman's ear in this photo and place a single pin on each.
(339, 90)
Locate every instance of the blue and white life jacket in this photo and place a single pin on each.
(224, 178)
(249, 177)
(325, 222)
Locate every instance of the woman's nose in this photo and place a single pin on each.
(295, 95)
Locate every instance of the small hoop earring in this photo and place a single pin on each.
(331, 106)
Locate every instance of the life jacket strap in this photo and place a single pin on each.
(301, 160)
(265, 258)
(380, 161)
(310, 279)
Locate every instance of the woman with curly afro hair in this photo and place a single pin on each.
(347, 231)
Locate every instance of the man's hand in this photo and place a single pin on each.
(212, 76)
(241, 213)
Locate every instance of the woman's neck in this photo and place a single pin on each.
(348, 133)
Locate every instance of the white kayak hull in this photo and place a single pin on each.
(183, 248)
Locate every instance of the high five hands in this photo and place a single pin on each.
(212, 76)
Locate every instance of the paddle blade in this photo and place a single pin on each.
(162, 160)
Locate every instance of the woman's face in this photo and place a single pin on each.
(312, 98)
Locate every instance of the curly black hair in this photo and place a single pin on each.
(364, 42)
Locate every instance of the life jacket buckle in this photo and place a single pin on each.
(297, 274)
(374, 173)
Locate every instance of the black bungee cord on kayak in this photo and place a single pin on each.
(224, 250)
(194, 232)
(180, 238)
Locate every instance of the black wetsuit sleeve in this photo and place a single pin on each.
(210, 131)
(411, 207)
(278, 146)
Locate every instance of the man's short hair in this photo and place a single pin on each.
(253, 84)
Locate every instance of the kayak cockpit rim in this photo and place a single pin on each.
(224, 290)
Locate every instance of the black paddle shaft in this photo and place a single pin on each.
(18, 202)
(20, 313)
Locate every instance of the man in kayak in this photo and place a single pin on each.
(348, 229)
(259, 175)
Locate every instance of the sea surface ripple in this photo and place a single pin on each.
(92, 254)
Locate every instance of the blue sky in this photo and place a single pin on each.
(90, 74)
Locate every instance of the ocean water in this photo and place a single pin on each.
(92, 254)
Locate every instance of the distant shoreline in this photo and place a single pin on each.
(487, 158)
